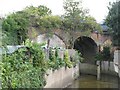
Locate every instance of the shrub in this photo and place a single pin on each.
(24, 68)
(67, 61)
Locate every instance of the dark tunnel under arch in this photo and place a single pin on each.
(87, 47)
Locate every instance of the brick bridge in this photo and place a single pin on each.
(88, 45)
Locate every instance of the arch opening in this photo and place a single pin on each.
(87, 47)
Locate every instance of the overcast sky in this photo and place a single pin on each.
(98, 8)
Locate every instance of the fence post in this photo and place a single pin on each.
(98, 70)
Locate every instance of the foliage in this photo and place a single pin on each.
(41, 18)
(90, 25)
(73, 15)
(113, 22)
(77, 57)
(16, 26)
(24, 68)
(50, 22)
(99, 56)
(55, 61)
(1, 32)
(67, 61)
(37, 11)
(76, 19)
(104, 55)
(59, 61)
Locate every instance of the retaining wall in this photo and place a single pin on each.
(106, 68)
(62, 77)
(86, 68)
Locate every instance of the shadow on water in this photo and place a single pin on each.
(89, 81)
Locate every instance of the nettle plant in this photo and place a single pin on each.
(25, 68)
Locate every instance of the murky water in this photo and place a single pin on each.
(89, 81)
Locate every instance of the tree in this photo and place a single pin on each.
(76, 19)
(0, 31)
(16, 26)
(90, 24)
(49, 23)
(113, 22)
(72, 18)
(104, 55)
(74, 14)
(37, 11)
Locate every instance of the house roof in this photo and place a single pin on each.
(10, 49)
(104, 27)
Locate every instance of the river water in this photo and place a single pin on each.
(90, 81)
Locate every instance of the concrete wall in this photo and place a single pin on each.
(62, 77)
(86, 68)
(117, 61)
(108, 68)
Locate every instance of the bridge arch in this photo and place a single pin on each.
(88, 47)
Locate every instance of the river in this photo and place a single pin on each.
(89, 81)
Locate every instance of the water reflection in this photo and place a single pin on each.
(89, 81)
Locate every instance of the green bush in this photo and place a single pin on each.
(67, 61)
(104, 55)
(24, 68)
(55, 61)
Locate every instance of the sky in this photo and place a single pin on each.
(97, 8)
